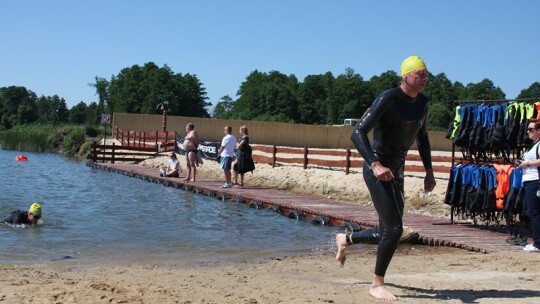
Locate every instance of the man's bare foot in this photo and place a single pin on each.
(341, 242)
(380, 292)
(186, 179)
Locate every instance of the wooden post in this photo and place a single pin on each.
(305, 157)
(166, 137)
(174, 141)
(104, 133)
(103, 153)
(348, 161)
(94, 151)
(165, 109)
(274, 157)
(112, 154)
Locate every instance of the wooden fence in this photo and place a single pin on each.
(264, 132)
(347, 159)
(137, 146)
(134, 146)
(162, 141)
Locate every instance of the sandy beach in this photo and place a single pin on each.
(418, 274)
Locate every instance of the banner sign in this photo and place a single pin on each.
(208, 150)
(105, 118)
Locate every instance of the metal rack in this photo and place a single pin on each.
(516, 153)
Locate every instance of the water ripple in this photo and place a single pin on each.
(99, 215)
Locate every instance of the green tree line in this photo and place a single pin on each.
(326, 99)
(263, 96)
(134, 89)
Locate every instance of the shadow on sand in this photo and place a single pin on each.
(465, 295)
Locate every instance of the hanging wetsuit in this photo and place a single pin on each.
(396, 119)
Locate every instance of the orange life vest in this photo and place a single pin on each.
(503, 183)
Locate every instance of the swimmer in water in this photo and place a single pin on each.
(30, 217)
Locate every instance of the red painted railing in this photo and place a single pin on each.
(341, 158)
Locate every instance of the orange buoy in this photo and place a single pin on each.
(21, 158)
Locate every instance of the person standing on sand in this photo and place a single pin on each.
(191, 146)
(531, 176)
(398, 117)
(243, 162)
(226, 152)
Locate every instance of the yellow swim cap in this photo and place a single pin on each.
(411, 64)
(35, 209)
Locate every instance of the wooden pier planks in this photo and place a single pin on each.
(432, 230)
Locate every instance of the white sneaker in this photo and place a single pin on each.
(530, 248)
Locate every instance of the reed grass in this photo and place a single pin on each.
(38, 138)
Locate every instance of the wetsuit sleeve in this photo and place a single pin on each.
(12, 218)
(370, 118)
(422, 142)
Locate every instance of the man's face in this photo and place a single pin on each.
(33, 218)
(417, 80)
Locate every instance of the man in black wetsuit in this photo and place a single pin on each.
(29, 217)
(398, 117)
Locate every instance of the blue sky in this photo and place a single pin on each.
(59, 47)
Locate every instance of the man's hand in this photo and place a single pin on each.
(429, 181)
(381, 172)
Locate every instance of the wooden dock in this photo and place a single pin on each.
(320, 210)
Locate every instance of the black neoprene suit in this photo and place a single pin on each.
(16, 218)
(396, 119)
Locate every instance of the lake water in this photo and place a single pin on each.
(95, 215)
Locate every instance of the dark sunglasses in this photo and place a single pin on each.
(530, 129)
(37, 217)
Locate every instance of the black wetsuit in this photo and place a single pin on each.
(397, 120)
(16, 218)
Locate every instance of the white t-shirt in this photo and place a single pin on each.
(172, 164)
(530, 173)
(228, 143)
